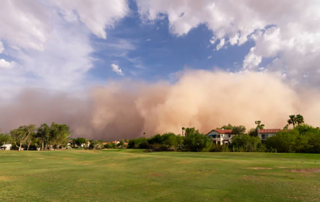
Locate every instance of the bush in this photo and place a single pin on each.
(141, 143)
(303, 138)
(109, 146)
(170, 141)
(246, 143)
(197, 142)
(96, 145)
(216, 148)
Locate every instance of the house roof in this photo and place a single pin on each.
(268, 131)
(220, 131)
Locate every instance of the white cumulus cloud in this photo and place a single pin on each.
(286, 30)
(116, 69)
(5, 64)
(1, 47)
(50, 40)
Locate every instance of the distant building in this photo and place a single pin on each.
(85, 145)
(221, 136)
(265, 133)
(6, 147)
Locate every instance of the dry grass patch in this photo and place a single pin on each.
(155, 174)
(307, 170)
(4, 178)
(259, 168)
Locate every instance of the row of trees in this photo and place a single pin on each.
(192, 141)
(45, 137)
(302, 138)
(97, 144)
(195, 141)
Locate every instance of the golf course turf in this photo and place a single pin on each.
(135, 175)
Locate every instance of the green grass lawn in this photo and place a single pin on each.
(133, 175)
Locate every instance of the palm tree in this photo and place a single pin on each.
(259, 125)
(144, 134)
(292, 120)
(183, 128)
(299, 119)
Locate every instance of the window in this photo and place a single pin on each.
(218, 136)
(263, 136)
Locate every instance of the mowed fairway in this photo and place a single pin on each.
(133, 175)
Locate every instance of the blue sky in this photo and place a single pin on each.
(85, 57)
(69, 45)
(149, 51)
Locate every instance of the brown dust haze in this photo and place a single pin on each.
(201, 99)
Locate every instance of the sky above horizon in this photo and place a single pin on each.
(91, 63)
(71, 45)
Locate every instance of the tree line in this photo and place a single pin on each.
(44, 137)
(192, 141)
(300, 138)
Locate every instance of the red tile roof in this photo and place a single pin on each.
(220, 131)
(268, 131)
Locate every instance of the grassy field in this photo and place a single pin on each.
(133, 175)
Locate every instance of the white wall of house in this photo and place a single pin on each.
(220, 138)
(7, 146)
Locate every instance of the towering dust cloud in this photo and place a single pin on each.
(201, 99)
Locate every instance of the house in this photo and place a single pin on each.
(70, 143)
(115, 142)
(263, 134)
(6, 147)
(85, 145)
(221, 136)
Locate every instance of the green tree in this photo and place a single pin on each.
(43, 134)
(59, 135)
(22, 134)
(227, 127)
(140, 142)
(259, 126)
(80, 140)
(253, 132)
(189, 131)
(4, 139)
(155, 139)
(96, 145)
(30, 139)
(121, 143)
(299, 119)
(239, 130)
(292, 120)
(196, 141)
(183, 128)
(170, 141)
(246, 143)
